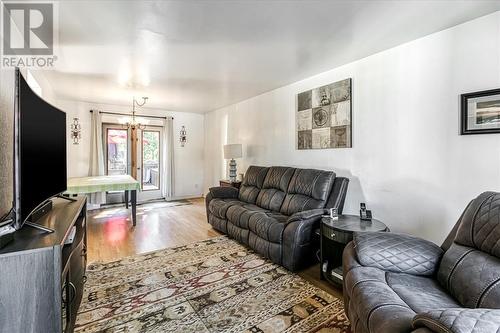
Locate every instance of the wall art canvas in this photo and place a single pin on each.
(323, 117)
(480, 112)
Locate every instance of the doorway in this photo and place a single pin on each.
(141, 159)
(149, 162)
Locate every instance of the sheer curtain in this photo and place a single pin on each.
(96, 166)
(168, 159)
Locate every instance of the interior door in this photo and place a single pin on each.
(149, 162)
(141, 160)
(116, 142)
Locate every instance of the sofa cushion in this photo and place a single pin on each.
(266, 248)
(470, 268)
(420, 293)
(237, 233)
(480, 226)
(397, 252)
(471, 276)
(219, 207)
(239, 215)
(376, 306)
(380, 301)
(274, 188)
(268, 225)
(459, 320)
(252, 183)
(218, 223)
(308, 189)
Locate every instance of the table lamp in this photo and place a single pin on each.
(230, 153)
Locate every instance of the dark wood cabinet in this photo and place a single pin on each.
(41, 278)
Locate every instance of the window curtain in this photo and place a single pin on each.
(168, 159)
(96, 166)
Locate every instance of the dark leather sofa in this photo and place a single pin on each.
(398, 283)
(276, 210)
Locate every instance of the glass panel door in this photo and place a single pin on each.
(150, 160)
(116, 142)
(149, 151)
(116, 151)
(118, 159)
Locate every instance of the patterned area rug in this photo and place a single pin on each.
(215, 285)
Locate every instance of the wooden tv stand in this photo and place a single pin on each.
(41, 279)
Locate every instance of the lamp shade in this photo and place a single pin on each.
(232, 151)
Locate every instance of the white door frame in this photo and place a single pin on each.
(149, 194)
(142, 195)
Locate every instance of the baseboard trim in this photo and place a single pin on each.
(185, 197)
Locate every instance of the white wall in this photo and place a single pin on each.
(7, 86)
(408, 162)
(188, 160)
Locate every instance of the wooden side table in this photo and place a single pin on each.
(334, 236)
(228, 183)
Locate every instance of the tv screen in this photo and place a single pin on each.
(41, 164)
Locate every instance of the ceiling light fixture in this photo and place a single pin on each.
(135, 123)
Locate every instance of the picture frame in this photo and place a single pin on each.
(323, 117)
(480, 112)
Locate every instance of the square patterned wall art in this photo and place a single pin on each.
(324, 117)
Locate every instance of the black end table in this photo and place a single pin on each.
(229, 183)
(334, 236)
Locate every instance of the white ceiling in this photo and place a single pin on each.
(198, 56)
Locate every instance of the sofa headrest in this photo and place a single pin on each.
(255, 176)
(278, 177)
(311, 182)
(274, 189)
(308, 189)
(480, 224)
(252, 183)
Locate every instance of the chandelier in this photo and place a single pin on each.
(135, 122)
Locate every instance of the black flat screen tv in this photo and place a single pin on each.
(39, 151)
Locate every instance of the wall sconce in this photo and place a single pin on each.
(183, 136)
(76, 131)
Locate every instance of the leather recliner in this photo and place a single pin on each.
(276, 210)
(399, 283)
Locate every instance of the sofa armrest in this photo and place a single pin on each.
(307, 214)
(221, 192)
(298, 250)
(459, 320)
(397, 253)
(208, 198)
(338, 194)
(224, 192)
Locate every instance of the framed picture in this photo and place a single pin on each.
(323, 117)
(480, 112)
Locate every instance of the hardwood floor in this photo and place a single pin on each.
(111, 235)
